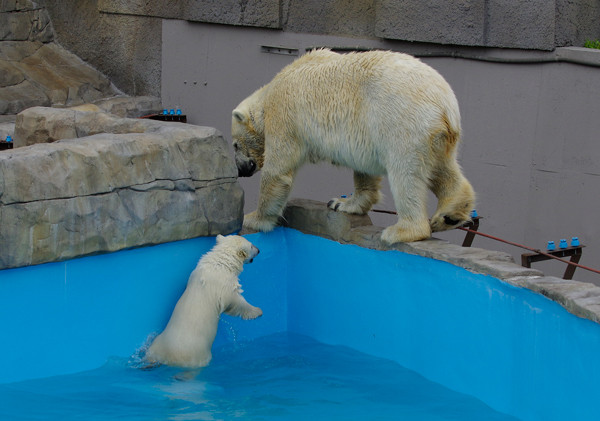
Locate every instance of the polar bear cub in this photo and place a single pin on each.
(213, 288)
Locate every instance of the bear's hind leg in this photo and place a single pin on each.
(366, 194)
(410, 198)
(456, 198)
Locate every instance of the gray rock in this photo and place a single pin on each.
(131, 107)
(37, 74)
(9, 74)
(47, 125)
(149, 182)
(23, 20)
(15, 98)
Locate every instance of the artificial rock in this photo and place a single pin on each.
(137, 182)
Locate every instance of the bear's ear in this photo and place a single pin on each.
(239, 115)
(219, 238)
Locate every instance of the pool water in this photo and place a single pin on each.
(282, 376)
(486, 342)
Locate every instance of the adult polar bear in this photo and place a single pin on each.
(379, 113)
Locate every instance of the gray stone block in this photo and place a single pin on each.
(355, 18)
(312, 217)
(526, 24)
(231, 12)
(459, 22)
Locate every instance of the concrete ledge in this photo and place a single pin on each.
(312, 217)
(259, 13)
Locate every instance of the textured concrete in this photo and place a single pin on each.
(36, 71)
(123, 38)
(576, 22)
(125, 48)
(46, 75)
(24, 20)
(148, 183)
(340, 17)
(312, 217)
(528, 24)
(453, 22)
(263, 13)
(491, 23)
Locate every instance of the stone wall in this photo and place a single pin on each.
(124, 47)
(134, 183)
(24, 20)
(123, 38)
(34, 70)
(529, 24)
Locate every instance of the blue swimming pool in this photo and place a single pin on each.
(461, 340)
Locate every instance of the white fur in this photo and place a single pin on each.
(379, 113)
(213, 288)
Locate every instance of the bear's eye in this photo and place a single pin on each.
(235, 146)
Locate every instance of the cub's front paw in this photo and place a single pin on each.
(254, 313)
(253, 222)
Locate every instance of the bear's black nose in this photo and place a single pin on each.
(246, 169)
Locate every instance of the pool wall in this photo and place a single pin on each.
(514, 349)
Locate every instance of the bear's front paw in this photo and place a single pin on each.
(346, 205)
(446, 222)
(254, 313)
(254, 222)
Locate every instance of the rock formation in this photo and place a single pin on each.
(108, 183)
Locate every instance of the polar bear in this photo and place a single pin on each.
(377, 112)
(213, 288)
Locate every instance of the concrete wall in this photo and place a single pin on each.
(530, 136)
(125, 48)
(122, 37)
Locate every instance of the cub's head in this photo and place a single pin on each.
(238, 246)
(247, 131)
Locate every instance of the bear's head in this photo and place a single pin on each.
(239, 246)
(247, 131)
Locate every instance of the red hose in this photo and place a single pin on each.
(510, 243)
(530, 249)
